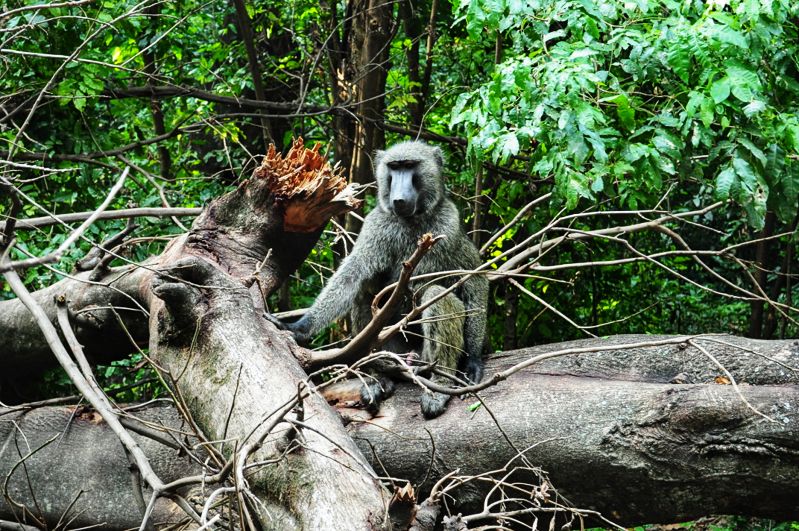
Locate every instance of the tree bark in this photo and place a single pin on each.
(231, 364)
(72, 463)
(764, 260)
(636, 451)
(105, 333)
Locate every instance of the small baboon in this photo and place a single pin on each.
(412, 201)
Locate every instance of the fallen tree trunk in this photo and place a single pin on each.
(614, 432)
(279, 447)
(63, 464)
(608, 430)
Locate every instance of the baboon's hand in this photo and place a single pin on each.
(374, 391)
(301, 329)
(433, 404)
(274, 320)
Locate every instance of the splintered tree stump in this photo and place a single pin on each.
(306, 187)
(264, 230)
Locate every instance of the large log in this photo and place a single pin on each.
(25, 353)
(642, 435)
(65, 464)
(612, 430)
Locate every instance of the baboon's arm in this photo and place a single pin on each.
(341, 290)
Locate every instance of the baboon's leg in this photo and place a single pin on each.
(442, 327)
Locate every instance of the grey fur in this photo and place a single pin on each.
(453, 326)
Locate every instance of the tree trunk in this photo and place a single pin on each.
(636, 451)
(72, 463)
(371, 39)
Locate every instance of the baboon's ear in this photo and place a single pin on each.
(378, 158)
(438, 155)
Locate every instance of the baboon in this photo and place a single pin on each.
(412, 201)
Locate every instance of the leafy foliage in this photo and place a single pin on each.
(626, 99)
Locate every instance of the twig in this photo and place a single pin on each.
(74, 235)
(44, 221)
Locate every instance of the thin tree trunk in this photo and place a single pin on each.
(150, 68)
(245, 24)
(372, 31)
(763, 261)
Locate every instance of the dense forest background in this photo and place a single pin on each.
(563, 118)
(624, 167)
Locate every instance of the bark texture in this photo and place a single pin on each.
(63, 464)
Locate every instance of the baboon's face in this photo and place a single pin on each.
(404, 182)
(409, 179)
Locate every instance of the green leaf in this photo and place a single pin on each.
(475, 406)
(694, 100)
(754, 107)
(753, 149)
(730, 36)
(585, 52)
(742, 76)
(508, 146)
(720, 90)
(792, 136)
(598, 185)
(634, 152)
(624, 111)
(576, 187)
(724, 183)
(744, 170)
(554, 35)
(706, 111)
(679, 57)
(742, 93)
